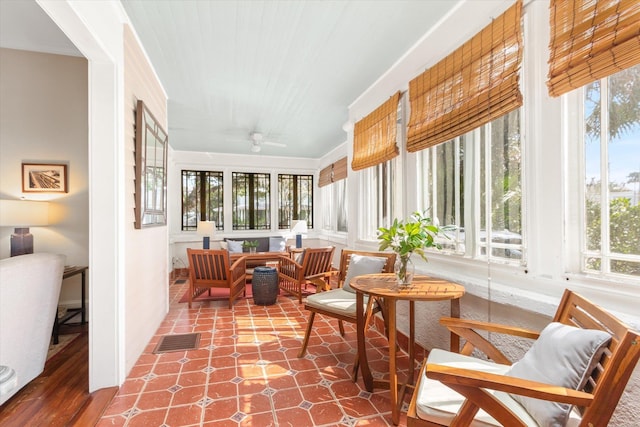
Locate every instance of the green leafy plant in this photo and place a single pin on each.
(250, 244)
(410, 236)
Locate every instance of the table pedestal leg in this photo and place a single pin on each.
(455, 339)
(412, 342)
(393, 373)
(367, 378)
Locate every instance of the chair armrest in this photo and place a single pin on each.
(490, 327)
(466, 329)
(288, 267)
(238, 267)
(470, 378)
(322, 281)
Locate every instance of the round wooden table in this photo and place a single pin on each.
(384, 286)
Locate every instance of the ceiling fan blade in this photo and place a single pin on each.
(274, 144)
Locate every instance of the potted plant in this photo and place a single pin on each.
(407, 237)
(251, 244)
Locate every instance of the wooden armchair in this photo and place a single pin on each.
(315, 264)
(339, 303)
(459, 390)
(210, 269)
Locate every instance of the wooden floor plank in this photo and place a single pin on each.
(60, 395)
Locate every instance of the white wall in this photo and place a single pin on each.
(524, 296)
(115, 256)
(43, 119)
(229, 163)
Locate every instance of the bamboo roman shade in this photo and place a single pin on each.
(591, 40)
(473, 85)
(374, 137)
(334, 172)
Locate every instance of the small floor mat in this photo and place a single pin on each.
(180, 281)
(177, 343)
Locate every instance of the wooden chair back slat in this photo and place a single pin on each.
(317, 260)
(293, 276)
(607, 381)
(345, 259)
(211, 269)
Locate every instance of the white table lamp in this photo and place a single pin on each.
(23, 214)
(298, 227)
(206, 229)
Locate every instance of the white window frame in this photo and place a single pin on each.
(330, 196)
(375, 201)
(576, 251)
(471, 245)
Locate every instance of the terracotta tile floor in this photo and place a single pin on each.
(246, 372)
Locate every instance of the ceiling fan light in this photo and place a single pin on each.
(255, 148)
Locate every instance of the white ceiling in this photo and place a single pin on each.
(287, 69)
(25, 26)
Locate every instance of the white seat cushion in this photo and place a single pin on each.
(438, 403)
(336, 301)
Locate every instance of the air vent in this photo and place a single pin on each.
(181, 342)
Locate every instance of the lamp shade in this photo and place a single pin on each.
(23, 213)
(299, 226)
(206, 228)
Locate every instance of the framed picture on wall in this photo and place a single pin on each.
(151, 170)
(44, 178)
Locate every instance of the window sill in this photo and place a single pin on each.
(515, 286)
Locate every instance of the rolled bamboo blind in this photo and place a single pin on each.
(334, 172)
(374, 137)
(590, 40)
(473, 85)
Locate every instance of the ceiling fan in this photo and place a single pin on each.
(257, 141)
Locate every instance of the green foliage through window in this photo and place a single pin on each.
(202, 198)
(251, 201)
(612, 174)
(295, 199)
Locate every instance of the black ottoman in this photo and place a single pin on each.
(264, 285)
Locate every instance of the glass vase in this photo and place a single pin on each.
(404, 269)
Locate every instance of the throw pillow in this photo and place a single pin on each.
(224, 245)
(235, 246)
(359, 265)
(565, 356)
(277, 244)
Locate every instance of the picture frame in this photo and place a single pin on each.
(151, 142)
(44, 178)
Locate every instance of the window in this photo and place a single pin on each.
(501, 192)
(202, 198)
(378, 188)
(295, 199)
(486, 191)
(251, 201)
(611, 218)
(443, 183)
(334, 206)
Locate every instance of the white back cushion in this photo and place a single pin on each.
(564, 356)
(359, 265)
(235, 246)
(277, 244)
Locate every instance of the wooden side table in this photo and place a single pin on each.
(70, 271)
(385, 286)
